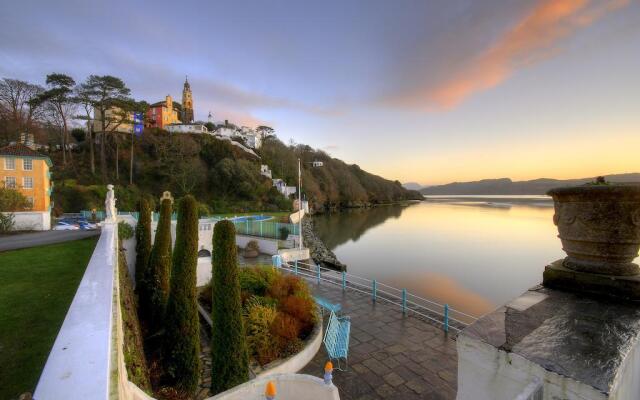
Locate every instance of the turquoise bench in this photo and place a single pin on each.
(336, 339)
(326, 305)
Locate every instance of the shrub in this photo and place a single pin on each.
(125, 231)
(143, 248)
(284, 286)
(6, 222)
(159, 269)
(252, 281)
(229, 356)
(134, 358)
(262, 344)
(253, 245)
(12, 200)
(284, 233)
(182, 338)
(302, 309)
(285, 328)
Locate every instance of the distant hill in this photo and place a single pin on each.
(508, 187)
(412, 186)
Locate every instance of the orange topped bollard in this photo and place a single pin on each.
(328, 373)
(270, 391)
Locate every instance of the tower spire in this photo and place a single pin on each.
(187, 102)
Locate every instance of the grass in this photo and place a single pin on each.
(36, 288)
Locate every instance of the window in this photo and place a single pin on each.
(27, 164)
(10, 182)
(9, 163)
(30, 201)
(27, 182)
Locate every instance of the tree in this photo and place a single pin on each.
(265, 131)
(182, 338)
(229, 356)
(18, 106)
(143, 249)
(107, 95)
(84, 97)
(159, 270)
(79, 134)
(60, 105)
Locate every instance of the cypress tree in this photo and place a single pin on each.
(229, 356)
(182, 337)
(143, 248)
(159, 270)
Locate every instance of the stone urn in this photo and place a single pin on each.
(599, 226)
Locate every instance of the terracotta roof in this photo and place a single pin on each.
(20, 150)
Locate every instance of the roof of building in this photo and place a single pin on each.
(20, 150)
(176, 106)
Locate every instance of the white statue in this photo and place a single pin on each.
(110, 205)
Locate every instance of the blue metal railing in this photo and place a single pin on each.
(265, 229)
(441, 314)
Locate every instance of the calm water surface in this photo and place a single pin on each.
(474, 254)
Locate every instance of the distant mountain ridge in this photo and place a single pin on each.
(412, 186)
(505, 186)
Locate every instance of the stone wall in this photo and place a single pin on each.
(319, 252)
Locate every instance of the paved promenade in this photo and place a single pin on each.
(391, 356)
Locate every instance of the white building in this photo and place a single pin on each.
(253, 140)
(283, 188)
(248, 135)
(187, 128)
(265, 171)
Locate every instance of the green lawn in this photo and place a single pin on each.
(36, 289)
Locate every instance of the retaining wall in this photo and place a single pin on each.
(31, 220)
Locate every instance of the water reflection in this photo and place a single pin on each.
(338, 228)
(474, 258)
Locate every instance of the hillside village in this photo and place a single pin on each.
(94, 133)
(175, 117)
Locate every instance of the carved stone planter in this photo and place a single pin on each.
(599, 226)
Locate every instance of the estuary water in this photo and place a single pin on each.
(474, 253)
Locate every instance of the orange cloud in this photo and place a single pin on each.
(531, 40)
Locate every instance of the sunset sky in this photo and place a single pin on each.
(426, 91)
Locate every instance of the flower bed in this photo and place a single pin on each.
(278, 310)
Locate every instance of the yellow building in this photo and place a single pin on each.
(163, 113)
(115, 120)
(27, 171)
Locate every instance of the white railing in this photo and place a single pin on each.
(79, 364)
(442, 314)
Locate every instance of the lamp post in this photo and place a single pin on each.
(315, 164)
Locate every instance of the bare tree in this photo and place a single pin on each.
(19, 105)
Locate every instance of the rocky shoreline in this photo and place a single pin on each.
(319, 252)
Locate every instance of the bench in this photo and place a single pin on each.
(326, 305)
(336, 339)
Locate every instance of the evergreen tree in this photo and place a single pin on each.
(159, 270)
(182, 338)
(229, 356)
(143, 250)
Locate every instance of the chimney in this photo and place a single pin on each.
(27, 140)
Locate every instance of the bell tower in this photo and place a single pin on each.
(187, 103)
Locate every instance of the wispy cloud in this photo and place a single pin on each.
(532, 39)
